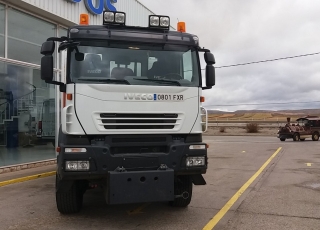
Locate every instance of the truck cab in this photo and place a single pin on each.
(132, 117)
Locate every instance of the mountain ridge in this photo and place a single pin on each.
(285, 111)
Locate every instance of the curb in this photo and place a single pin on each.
(30, 165)
(23, 179)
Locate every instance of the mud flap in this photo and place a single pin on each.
(198, 180)
(140, 186)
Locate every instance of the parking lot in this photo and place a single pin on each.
(285, 194)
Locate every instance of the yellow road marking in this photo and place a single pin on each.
(214, 221)
(23, 179)
(309, 164)
(138, 210)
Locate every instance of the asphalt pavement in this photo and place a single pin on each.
(284, 195)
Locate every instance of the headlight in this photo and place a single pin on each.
(197, 147)
(120, 18)
(75, 150)
(164, 21)
(77, 165)
(195, 161)
(109, 17)
(154, 21)
(159, 21)
(114, 18)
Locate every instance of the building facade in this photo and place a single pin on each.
(29, 108)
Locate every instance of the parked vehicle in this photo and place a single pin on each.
(135, 131)
(306, 127)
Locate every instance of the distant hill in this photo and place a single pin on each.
(238, 111)
(301, 111)
(261, 114)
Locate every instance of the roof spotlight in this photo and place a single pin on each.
(158, 21)
(114, 18)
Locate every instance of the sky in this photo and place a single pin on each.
(255, 30)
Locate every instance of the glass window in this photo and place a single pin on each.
(2, 26)
(187, 65)
(63, 32)
(136, 65)
(26, 35)
(27, 116)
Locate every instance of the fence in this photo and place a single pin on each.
(264, 122)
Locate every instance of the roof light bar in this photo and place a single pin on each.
(159, 21)
(114, 18)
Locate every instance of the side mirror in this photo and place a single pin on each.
(209, 58)
(79, 56)
(210, 76)
(47, 68)
(210, 70)
(47, 50)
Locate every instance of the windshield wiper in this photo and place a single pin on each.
(159, 81)
(105, 80)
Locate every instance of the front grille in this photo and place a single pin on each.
(139, 149)
(138, 139)
(140, 121)
(138, 115)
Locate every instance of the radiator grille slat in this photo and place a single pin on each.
(139, 121)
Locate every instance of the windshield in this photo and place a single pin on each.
(159, 65)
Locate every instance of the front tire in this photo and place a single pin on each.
(282, 139)
(183, 186)
(70, 201)
(296, 137)
(315, 136)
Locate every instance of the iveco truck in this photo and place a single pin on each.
(132, 117)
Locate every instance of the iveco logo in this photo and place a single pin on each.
(94, 71)
(139, 96)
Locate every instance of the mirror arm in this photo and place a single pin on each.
(207, 87)
(203, 50)
(68, 44)
(63, 88)
(55, 82)
(77, 50)
(56, 39)
(62, 85)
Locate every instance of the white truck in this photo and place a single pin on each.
(132, 117)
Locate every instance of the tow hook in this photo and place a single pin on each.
(120, 169)
(184, 195)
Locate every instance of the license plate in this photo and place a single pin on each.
(168, 97)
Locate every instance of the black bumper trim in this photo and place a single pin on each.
(102, 161)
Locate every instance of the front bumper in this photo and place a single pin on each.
(103, 161)
(285, 135)
(140, 187)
